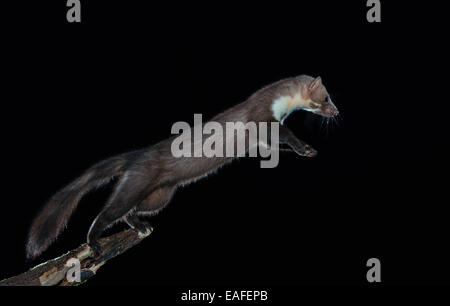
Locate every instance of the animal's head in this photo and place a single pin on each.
(318, 100)
(309, 94)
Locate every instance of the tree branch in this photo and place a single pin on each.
(53, 272)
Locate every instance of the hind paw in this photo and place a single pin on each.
(95, 247)
(142, 227)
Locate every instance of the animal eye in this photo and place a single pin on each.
(326, 99)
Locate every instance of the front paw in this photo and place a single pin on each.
(307, 151)
(310, 152)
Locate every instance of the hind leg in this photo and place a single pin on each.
(129, 192)
(154, 202)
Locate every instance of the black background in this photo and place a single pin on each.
(77, 93)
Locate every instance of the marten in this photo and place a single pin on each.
(148, 178)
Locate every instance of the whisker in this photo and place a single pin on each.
(328, 126)
(321, 124)
(336, 122)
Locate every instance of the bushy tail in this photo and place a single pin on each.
(54, 216)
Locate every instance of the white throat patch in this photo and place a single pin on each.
(283, 106)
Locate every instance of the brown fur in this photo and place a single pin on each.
(149, 177)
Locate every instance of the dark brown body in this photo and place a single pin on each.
(149, 177)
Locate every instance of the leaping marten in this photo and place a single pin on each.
(149, 177)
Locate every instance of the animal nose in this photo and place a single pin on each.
(335, 112)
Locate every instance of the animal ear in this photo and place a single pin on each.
(315, 84)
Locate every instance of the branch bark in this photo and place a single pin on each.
(53, 272)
